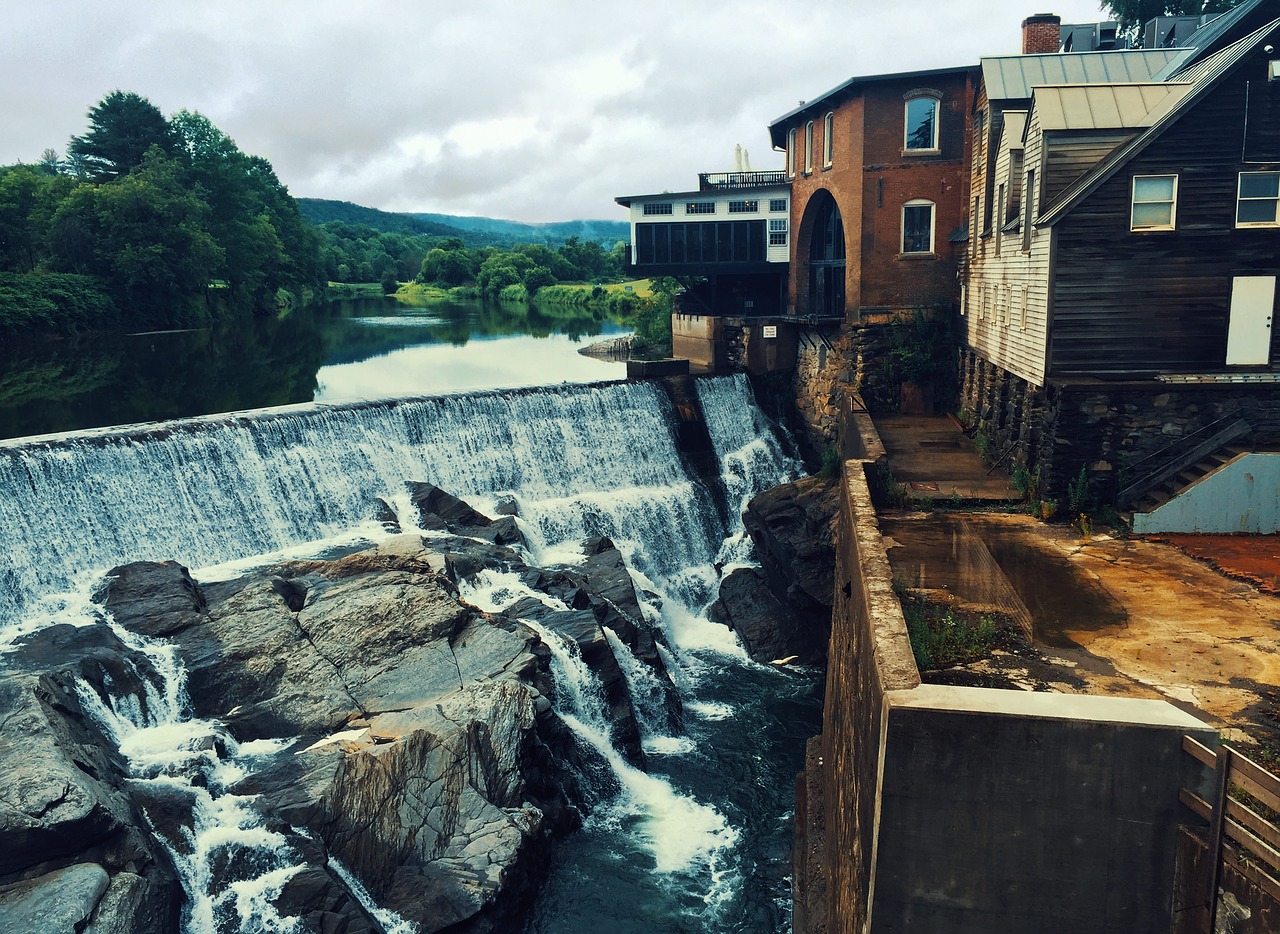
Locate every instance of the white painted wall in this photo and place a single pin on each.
(679, 205)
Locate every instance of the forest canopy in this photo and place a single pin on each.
(165, 222)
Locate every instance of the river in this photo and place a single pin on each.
(337, 351)
(701, 845)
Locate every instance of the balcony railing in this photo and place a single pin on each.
(710, 181)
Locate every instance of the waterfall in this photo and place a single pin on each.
(578, 460)
(681, 834)
(220, 493)
(178, 754)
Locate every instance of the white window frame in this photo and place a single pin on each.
(1172, 202)
(778, 228)
(902, 227)
(748, 206)
(828, 130)
(808, 148)
(658, 208)
(699, 208)
(1022, 307)
(791, 153)
(907, 148)
(1240, 200)
(777, 205)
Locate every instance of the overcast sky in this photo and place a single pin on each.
(535, 110)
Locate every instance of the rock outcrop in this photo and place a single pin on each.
(784, 609)
(421, 748)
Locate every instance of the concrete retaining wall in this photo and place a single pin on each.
(963, 809)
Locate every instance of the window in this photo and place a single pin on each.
(1022, 307)
(777, 233)
(700, 207)
(917, 227)
(1258, 200)
(777, 204)
(808, 147)
(982, 302)
(1027, 197)
(791, 153)
(1000, 209)
(828, 127)
(1154, 197)
(921, 125)
(1002, 303)
(744, 207)
(657, 207)
(973, 226)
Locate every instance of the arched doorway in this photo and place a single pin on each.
(826, 258)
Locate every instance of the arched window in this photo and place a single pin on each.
(917, 226)
(826, 257)
(828, 127)
(808, 147)
(791, 153)
(920, 125)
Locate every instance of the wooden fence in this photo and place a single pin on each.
(1243, 833)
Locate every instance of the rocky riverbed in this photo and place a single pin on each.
(378, 726)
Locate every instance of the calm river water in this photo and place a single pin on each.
(351, 349)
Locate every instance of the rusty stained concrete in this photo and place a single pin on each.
(1190, 635)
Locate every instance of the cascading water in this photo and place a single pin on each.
(576, 461)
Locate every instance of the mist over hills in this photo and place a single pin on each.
(473, 231)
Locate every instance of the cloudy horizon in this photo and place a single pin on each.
(533, 112)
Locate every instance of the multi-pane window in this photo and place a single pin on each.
(700, 207)
(744, 207)
(1258, 200)
(791, 153)
(917, 227)
(657, 207)
(777, 204)
(921, 124)
(828, 128)
(1028, 209)
(777, 233)
(1154, 199)
(808, 147)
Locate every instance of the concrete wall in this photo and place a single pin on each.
(1242, 496)
(938, 809)
(1013, 811)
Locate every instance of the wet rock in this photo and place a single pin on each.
(153, 598)
(768, 629)
(424, 768)
(324, 904)
(791, 526)
(57, 902)
(440, 510)
(64, 800)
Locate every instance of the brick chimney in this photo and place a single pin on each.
(1040, 33)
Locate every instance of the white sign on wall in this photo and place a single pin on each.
(770, 330)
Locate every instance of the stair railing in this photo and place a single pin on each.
(1172, 459)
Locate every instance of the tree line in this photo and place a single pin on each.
(165, 222)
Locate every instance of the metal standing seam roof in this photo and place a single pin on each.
(1101, 106)
(1011, 77)
(1165, 114)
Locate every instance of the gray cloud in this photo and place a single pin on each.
(510, 109)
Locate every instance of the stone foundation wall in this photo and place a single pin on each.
(829, 364)
(1104, 427)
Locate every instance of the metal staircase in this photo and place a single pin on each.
(1163, 475)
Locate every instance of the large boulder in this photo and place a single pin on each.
(769, 630)
(792, 528)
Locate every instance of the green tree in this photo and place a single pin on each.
(1134, 13)
(123, 127)
(19, 234)
(535, 277)
(450, 267)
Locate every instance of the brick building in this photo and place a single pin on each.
(879, 181)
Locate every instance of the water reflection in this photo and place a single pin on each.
(361, 348)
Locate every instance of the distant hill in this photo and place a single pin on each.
(606, 233)
(473, 231)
